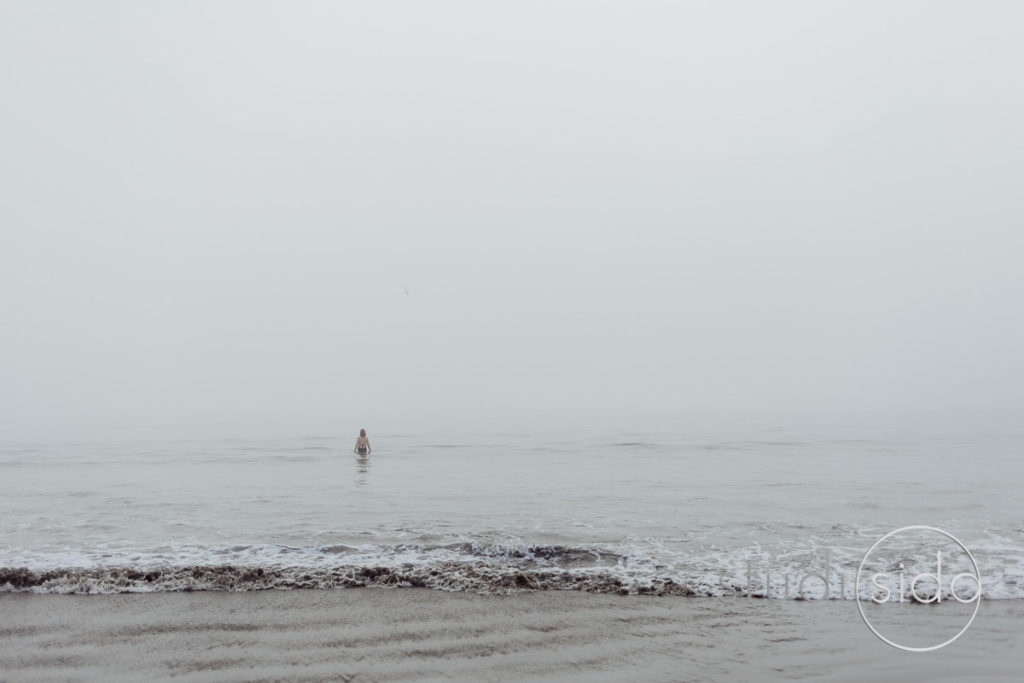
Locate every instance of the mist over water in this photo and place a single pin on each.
(218, 217)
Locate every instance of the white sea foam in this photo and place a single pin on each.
(631, 566)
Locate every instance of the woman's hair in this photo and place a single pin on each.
(362, 432)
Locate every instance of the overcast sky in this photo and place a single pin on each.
(334, 214)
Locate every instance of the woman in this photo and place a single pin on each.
(362, 444)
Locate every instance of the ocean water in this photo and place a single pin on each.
(667, 505)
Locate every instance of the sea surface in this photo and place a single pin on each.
(672, 505)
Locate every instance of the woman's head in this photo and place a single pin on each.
(362, 432)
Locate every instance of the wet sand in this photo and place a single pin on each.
(419, 634)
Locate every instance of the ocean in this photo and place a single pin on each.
(667, 505)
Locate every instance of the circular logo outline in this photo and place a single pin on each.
(860, 569)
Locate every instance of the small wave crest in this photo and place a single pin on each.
(485, 564)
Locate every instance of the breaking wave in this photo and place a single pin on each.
(489, 568)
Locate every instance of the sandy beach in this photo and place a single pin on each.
(417, 634)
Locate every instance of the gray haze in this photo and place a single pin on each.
(323, 215)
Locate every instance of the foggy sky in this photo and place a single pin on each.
(210, 212)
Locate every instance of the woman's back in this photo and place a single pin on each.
(362, 443)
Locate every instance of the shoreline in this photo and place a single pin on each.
(399, 634)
